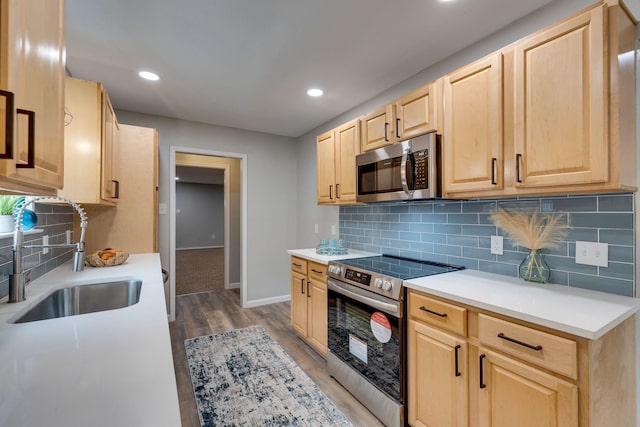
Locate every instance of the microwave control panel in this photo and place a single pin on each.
(421, 162)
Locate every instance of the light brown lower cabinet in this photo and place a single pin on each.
(478, 368)
(309, 302)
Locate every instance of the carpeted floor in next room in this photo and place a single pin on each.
(217, 311)
(199, 270)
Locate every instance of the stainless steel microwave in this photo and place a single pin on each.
(407, 170)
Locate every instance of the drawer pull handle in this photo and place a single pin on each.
(515, 341)
(482, 384)
(456, 354)
(423, 308)
(316, 271)
(297, 265)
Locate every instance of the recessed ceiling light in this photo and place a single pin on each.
(315, 92)
(148, 75)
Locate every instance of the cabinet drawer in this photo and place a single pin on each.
(299, 265)
(546, 350)
(438, 313)
(317, 271)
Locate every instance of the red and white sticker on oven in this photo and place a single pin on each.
(380, 327)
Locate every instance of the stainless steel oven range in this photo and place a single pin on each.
(366, 329)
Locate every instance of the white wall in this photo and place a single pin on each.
(326, 216)
(272, 189)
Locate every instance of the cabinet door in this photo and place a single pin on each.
(317, 323)
(416, 112)
(377, 129)
(29, 28)
(560, 111)
(299, 303)
(437, 378)
(326, 167)
(514, 394)
(473, 137)
(110, 184)
(347, 146)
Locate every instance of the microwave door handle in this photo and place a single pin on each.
(403, 172)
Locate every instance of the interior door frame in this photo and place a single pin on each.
(172, 221)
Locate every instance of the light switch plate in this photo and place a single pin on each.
(162, 208)
(592, 253)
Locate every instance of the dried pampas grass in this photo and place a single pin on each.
(532, 229)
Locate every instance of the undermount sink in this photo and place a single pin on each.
(84, 299)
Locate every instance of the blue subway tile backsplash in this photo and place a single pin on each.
(54, 220)
(458, 232)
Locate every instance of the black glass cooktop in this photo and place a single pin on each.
(400, 268)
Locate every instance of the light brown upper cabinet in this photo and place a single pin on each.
(91, 140)
(555, 116)
(377, 131)
(336, 152)
(560, 110)
(411, 115)
(472, 138)
(416, 112)
(32, 98)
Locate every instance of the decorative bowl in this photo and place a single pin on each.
(107, 257)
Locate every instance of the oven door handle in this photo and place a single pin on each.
(388, 308)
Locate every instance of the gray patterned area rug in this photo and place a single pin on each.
(244, 378)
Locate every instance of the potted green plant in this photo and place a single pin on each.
(7, 205)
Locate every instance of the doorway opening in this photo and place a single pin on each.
(207, 215)
(202, 226)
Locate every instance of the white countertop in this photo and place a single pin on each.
(311, 254)
(111, 368)
(588, 314)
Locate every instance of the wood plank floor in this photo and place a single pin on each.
(216, 311)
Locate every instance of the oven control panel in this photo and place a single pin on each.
(358, 277)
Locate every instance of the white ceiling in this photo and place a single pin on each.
(248, 63)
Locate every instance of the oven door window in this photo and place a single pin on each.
(368, 341)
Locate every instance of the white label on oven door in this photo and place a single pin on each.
(358, 348)
(380, 327)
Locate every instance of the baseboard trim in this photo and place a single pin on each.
(266, 301)
(234, 285)
(200, 247)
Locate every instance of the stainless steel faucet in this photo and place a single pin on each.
(19, 278)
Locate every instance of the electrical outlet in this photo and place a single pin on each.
(333, 230)
(45, 241)
(496, 245)
(592, 253)
(316, 229)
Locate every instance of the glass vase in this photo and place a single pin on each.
(534, 269)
